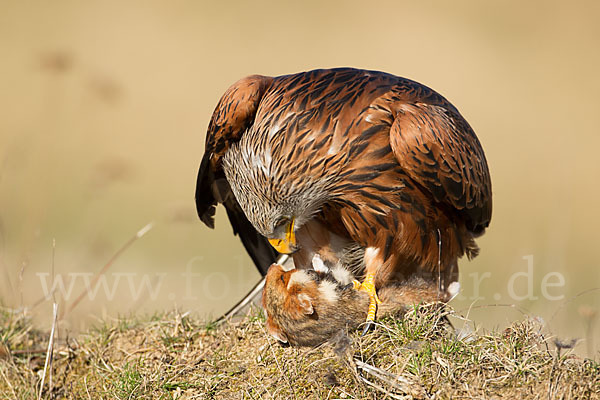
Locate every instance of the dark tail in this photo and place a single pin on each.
(205, 201)
(257, 246)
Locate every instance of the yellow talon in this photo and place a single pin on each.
(368, 286)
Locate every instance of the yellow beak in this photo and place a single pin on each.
(287, 245)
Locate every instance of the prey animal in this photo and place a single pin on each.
(306, 307)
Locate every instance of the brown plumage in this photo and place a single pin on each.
(381, 161)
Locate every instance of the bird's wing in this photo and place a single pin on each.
(233, 115)
(439, 150)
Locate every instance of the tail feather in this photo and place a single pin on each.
(258, 247)
(205, 200)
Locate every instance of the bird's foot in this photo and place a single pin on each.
(368, 286)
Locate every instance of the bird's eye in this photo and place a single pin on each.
(281, 222)
(281, 277)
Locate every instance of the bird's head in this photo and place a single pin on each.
(283, 238)
(277, 197)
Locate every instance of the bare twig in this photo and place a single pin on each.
(21, 273)
(250, 296)
(42, 299)
(27, 352)
(568, 301)
(106, 266)
(52, 267)
(381, 389)
(522, 310)
(396, 381)
(2, 251)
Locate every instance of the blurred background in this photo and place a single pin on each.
(104, 107)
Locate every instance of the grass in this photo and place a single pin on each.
(175, 356)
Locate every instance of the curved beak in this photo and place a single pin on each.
(286, 245)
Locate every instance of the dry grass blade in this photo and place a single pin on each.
(48, 363)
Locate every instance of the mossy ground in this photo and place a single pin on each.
(175, 356)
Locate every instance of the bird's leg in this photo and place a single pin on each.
(368, 284)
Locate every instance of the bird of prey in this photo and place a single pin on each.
(374, 160)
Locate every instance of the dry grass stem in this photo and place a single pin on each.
(50, 352)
